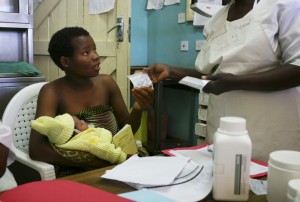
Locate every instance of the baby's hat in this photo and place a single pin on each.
(58, 130)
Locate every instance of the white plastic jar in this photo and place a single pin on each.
(232, 157)
(283, 166)
(293, 194)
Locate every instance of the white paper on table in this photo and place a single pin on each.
(202, 156)
(190, 170)
(258, 187)
(195, 190)
(198, 188)
(197, 183)
(256, 169)
(152, 170)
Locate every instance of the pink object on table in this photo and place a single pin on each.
(58, 190)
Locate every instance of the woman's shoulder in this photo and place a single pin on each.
(52, 87)
(53, 84)
(106, 79)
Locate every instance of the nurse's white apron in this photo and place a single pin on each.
(242, 47)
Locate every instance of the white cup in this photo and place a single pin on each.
(283, 166)
(293, 194)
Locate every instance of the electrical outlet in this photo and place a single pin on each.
(181, 17)
(199, 44)
(184, 46)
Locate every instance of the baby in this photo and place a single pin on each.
(80, 125)
(66, 132)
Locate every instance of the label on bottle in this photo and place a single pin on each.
(240, 162)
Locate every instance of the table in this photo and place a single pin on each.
(93, 179)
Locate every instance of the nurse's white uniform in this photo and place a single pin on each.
(266, 36)
(7, 181)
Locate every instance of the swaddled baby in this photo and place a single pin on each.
(67, 134)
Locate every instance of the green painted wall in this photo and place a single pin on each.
(161, 44)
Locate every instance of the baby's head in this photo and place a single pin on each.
(80, 124)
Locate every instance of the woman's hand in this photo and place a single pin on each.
(158, 72)
(143, 97)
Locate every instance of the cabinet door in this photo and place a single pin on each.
(15, 11)
(52, 15)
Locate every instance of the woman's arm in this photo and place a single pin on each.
(143, 98)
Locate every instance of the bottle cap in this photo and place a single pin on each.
(285, 159)
(234, 125)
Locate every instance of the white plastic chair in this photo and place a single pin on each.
(18, 115)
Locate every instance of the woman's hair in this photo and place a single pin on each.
(61, 43)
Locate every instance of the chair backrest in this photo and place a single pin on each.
(19, 113)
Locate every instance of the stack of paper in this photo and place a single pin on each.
(203, 154)
(166, 175)
(188, 169)
(200, 154)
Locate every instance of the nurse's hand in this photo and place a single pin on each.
(158, 72)
(220, 83)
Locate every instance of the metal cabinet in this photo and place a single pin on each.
(16, 39)
(16, 11)
(16, 30)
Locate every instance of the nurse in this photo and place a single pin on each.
(252, 57)
(7, 157)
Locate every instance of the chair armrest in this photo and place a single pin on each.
(46, 170)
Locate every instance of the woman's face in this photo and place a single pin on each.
(85, 60)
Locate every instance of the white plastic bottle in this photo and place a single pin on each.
(232, 158)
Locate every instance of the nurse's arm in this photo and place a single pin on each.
(280, 78)
(160, 72)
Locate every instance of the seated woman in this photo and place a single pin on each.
(7, 157)
(84, 93)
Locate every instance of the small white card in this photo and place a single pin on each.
(194, 82)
